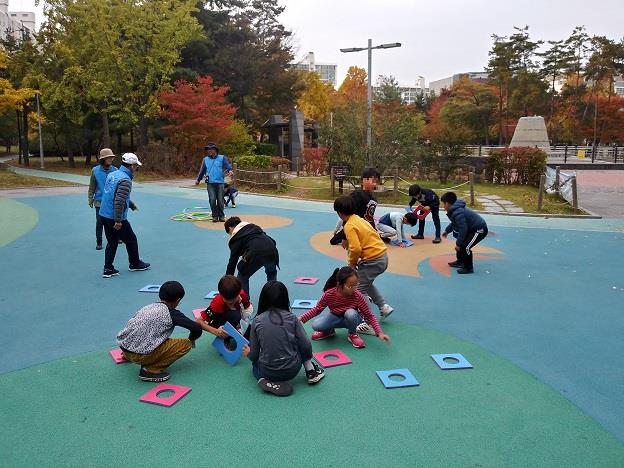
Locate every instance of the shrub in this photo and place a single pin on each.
(522, 165)
(267, 149)
(254, 162)
(285, 162)
(315, 160)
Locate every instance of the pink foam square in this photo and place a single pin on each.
(322, 358)
(197, 312)
(306, 280)
(152, 396)
(117, 356)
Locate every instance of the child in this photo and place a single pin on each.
(255, 247)
(364, 203)
(145, 339)
(96, 189)
(347, 309)
(367, 252)
(278, 344)
(428, 198)
(230, 305)
(229, 195)
(470, 228)
(391, 224)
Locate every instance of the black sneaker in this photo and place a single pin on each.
(315, 375)
(108, 272)
(98, 245)
(437, 240)
(222, 219)
(418, 236)
(146, 376)
(455, 264)
(233, 205)
(276, 388)
(141, 266)
(215, 220)
(465, 271)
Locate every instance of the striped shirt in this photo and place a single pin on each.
(338, 304)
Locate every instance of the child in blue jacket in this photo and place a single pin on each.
(470, 228)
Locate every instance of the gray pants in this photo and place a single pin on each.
(368, 270)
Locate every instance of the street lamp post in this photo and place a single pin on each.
(40, 135)
(369, 116)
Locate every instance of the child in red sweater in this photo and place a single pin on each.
(347, 309)
(232, 305)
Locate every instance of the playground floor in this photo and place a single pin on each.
(540, 321)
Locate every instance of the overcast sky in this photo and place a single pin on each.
(439, 38)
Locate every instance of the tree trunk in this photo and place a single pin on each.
(25, 135)
(89, 152)
(500, 116)
(142, 138)
(19, 136)
(106, 141)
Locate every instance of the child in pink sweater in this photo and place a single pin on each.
(347, 309)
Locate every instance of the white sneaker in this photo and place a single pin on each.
(365, 329)
(385, 311)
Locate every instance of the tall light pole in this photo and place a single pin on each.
(369, 116)
(40, 135)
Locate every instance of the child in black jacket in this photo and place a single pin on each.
(256, 248)
(429, 199)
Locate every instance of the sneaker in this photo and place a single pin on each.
(386, 310)
(315, 375)
(276, 388)
(365, 329)
(465, 271)
(215, 220)
(437, 240)
(222, 219)
(356, 341)
(146, 376)
(108, 272)
(455, 264)
(418, 236)
(233, 205)
(321, 335)
(98, 245)
(141, 266)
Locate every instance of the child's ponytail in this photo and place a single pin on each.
(332, 281)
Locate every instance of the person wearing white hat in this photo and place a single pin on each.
(114, 215)
(96, 189)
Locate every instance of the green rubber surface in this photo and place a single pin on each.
(84, 411)
(18, 219)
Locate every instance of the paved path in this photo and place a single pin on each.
(602, 192)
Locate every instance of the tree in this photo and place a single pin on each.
(353, 88)
(197, 112)
(555, 61)
(315, 100)
(387, 90)
(500, 69)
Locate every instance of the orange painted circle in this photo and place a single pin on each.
(264, 221)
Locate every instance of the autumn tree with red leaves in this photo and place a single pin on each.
(197, 112)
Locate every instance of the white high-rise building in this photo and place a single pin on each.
(410, 93)
(18, 24)
(327, 71)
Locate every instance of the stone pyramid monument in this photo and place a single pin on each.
(531, 131)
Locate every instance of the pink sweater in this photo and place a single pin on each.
(338, 305)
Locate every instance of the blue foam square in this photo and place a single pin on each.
(211, 295)
(303, 304)
(231, 357)
(462, 362)
(150, 288)
(408, 379)
(406, 243)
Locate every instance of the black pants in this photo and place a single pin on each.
(126, 234)
(435, 215)
(99, 227)
(218, 320)
(464, 256)
(247, 269)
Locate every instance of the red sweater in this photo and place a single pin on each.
(338, 305)
(218, 305)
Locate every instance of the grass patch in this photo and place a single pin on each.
(9, 180)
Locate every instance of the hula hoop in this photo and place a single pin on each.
(197, 213)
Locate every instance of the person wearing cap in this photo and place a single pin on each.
(114, 215)
(96, 189)
(213, 167)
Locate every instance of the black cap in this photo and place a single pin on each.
(211, 145)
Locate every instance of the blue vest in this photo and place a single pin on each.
(107, 209)
(100, 177)
(214, 169)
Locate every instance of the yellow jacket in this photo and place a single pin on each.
(364, 241)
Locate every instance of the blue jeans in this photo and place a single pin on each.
(215, 196)
(329, 321)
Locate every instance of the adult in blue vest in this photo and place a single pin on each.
(114, 215)
(213, 168)
(96, 189)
